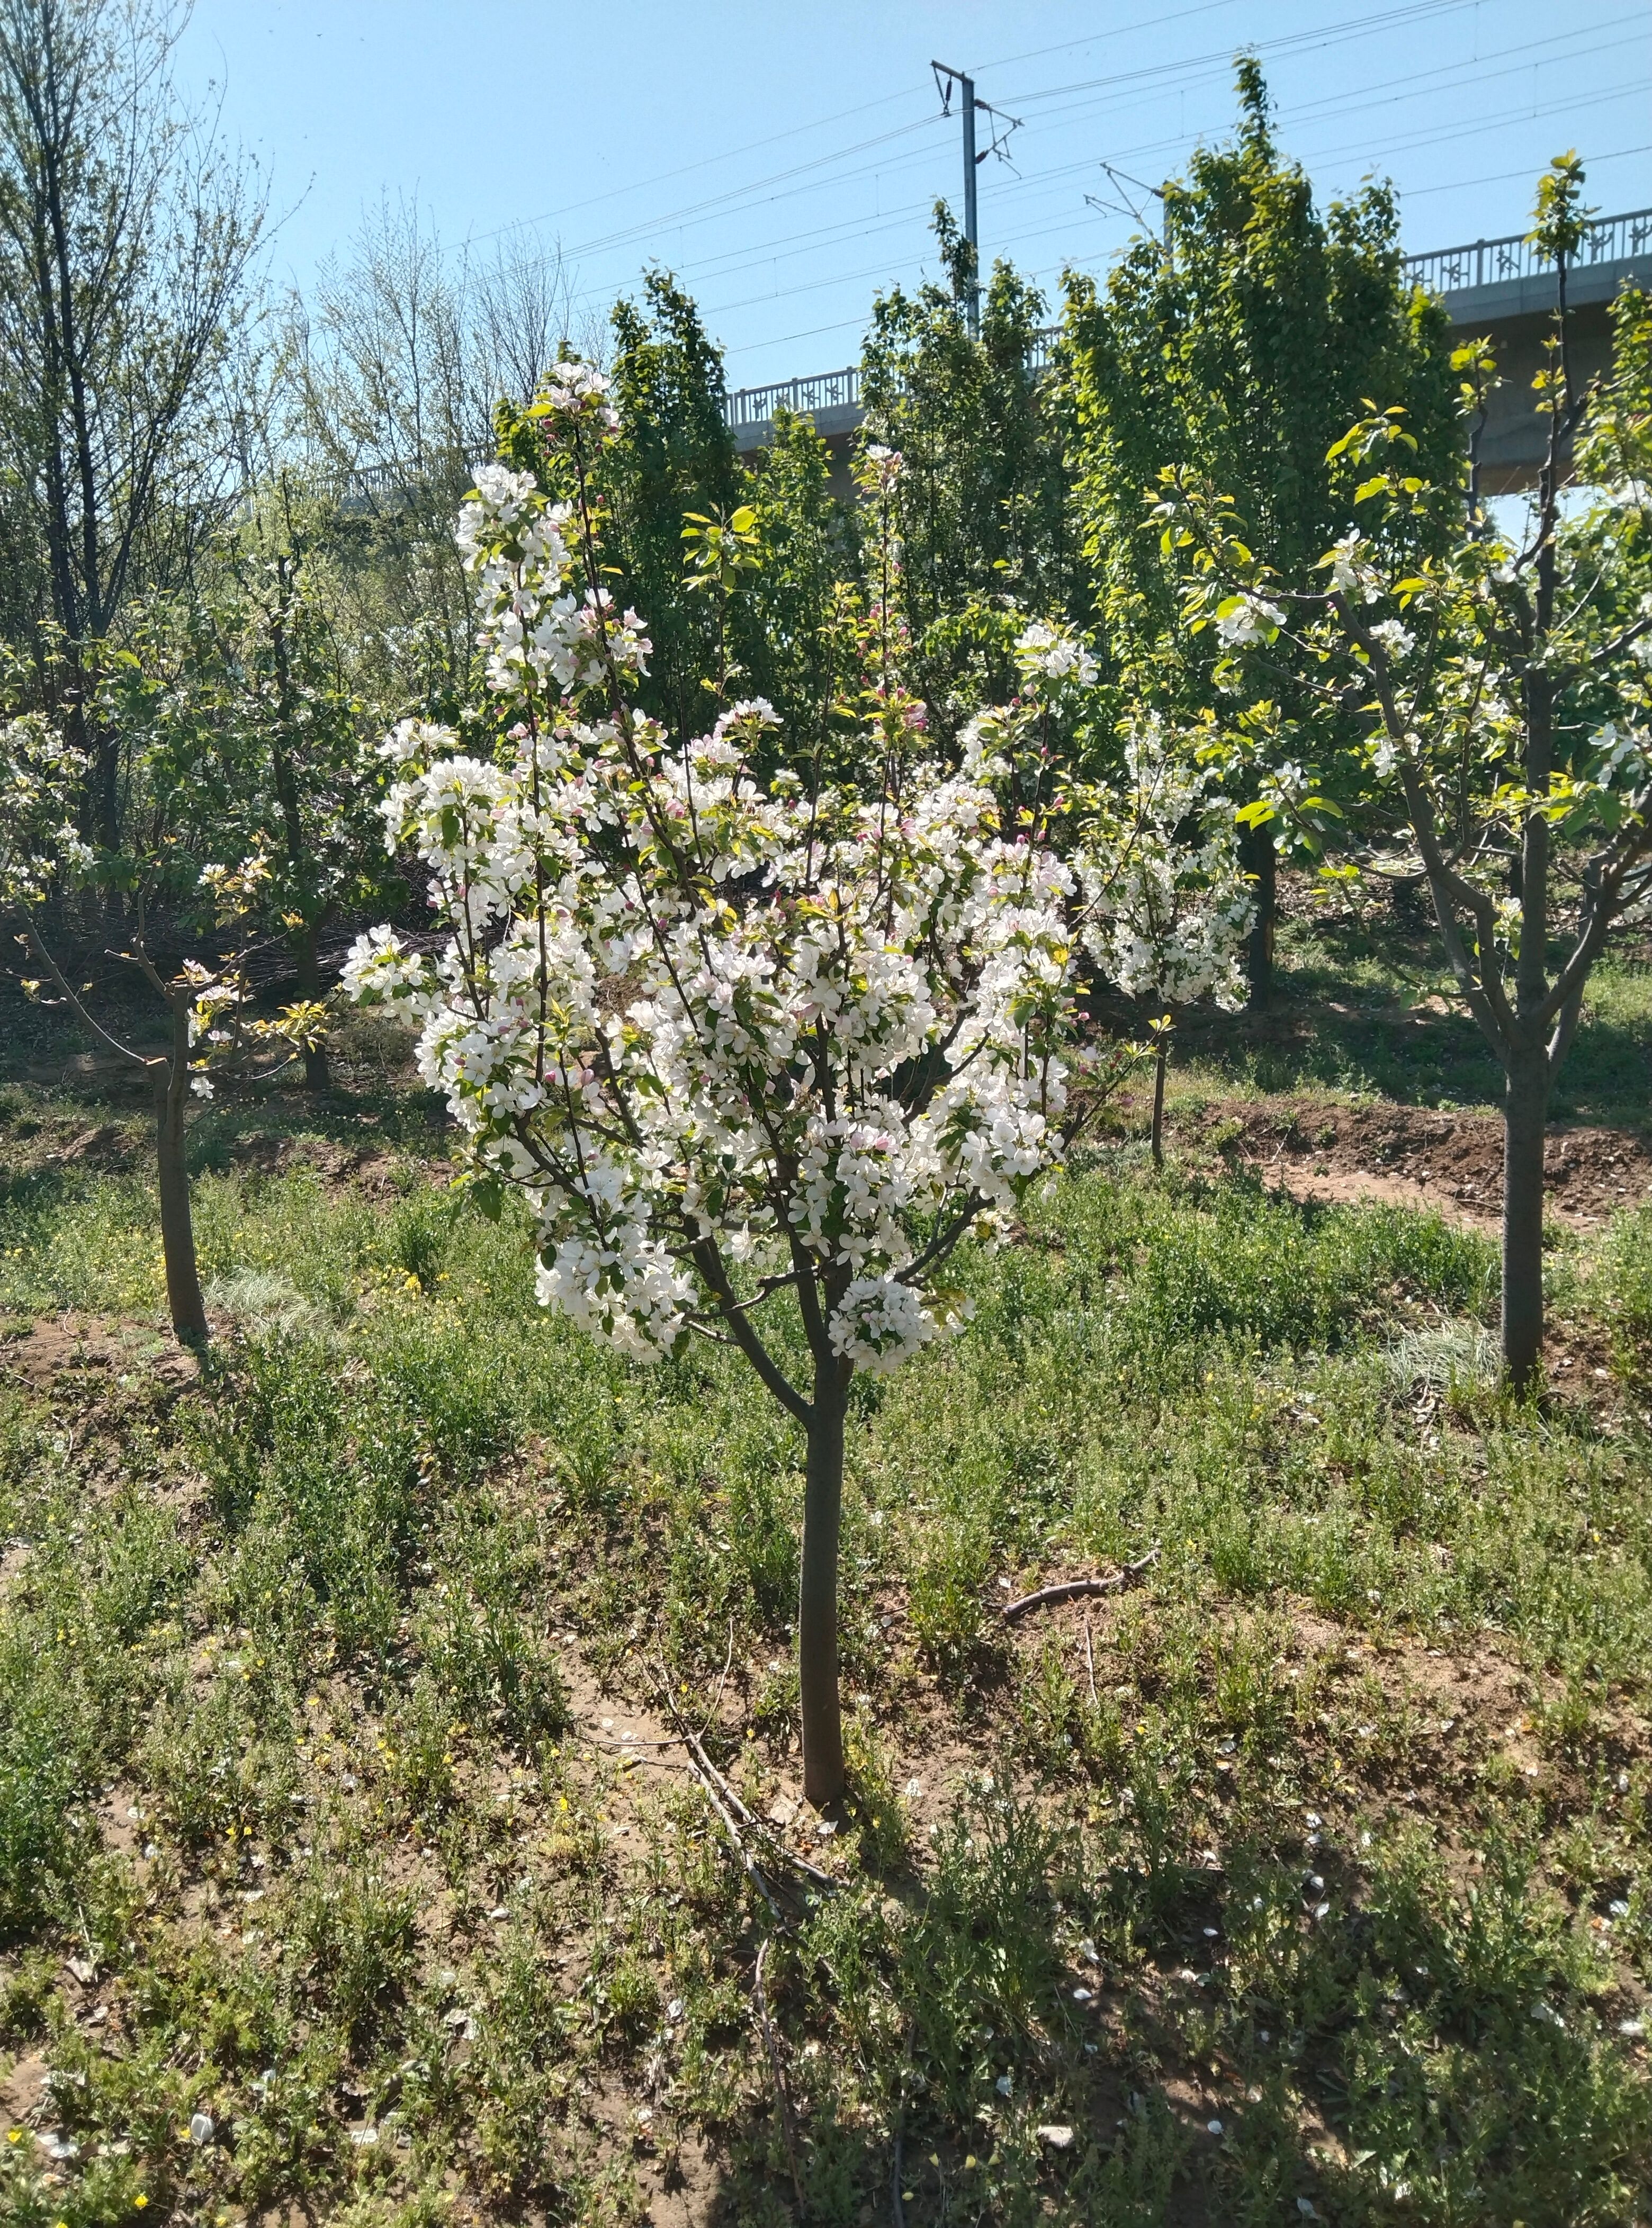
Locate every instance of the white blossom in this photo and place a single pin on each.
(1248, 620)
(1168, 917)
(681, 1008)
(1054, 653)
(1351, 569)
(880, 1323)
(1392, 636)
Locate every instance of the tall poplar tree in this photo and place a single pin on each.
(983, 498)
(1226, 348)
(675, 455)
(127, 231)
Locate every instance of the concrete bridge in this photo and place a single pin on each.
(1492, 289)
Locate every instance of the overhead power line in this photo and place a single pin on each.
(838, 116)
(1323, 111)
(1328, 36)
(1409, 85)
(1068, 222)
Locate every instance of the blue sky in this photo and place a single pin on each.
(782, 159)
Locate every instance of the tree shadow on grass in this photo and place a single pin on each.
(1050, 2029)
(1419, 1056)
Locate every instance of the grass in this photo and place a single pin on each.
(1366, 1006)
(1312, 1872)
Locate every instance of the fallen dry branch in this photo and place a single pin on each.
(772, 2044)
(728, 1800)
(737, 1820)
(750, 1863)
(1077, 1589)
(702, 1772)
(786, 1854)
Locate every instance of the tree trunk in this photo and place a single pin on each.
(177, 1234)
(1526, 1099)
(1260, 861)
(317, 1073)
(823, 1728)
(1161, 1057)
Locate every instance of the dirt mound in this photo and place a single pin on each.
(1417, 1157)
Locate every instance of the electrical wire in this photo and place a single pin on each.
(1032, 277)
(1415, 85)
(839, 116)
(1331, 36)
(1502, 177)
(730, 262)
(737, 262)
(1067, 102)
(1068, 220)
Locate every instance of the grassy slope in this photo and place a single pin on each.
(1333, 1833)
(1347, 1800)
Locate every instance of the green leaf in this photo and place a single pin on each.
(488, 1193)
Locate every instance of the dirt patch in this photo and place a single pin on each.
(367, 1167)
(107, 1146)
(1411, 1156)
(1403, 1722)
(61, 1346)
(103, 1075)
(22, 2093)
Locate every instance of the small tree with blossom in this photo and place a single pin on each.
(738, 1041)
(1166, 903)
(41, 855)
(1171, 904)
(1507, 685)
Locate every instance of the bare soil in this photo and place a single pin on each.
(1415, 1157)
(59, 1346)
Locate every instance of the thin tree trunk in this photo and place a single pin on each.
(177, 1234)
(318, 1072)
(1260, 861)
(105, 795)
(823, 1728)
(1526, 1095)
(1160, 1059)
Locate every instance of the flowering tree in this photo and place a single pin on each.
(733, 1039)
(1171, 904)
(1228, 341)
(1166, 902)
(1506, 688)
(41, 854)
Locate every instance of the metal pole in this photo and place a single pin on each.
(969, 225)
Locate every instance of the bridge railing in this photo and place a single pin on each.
(820, 390)
(1442, 270)
(1485, 262)
(837, 390)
